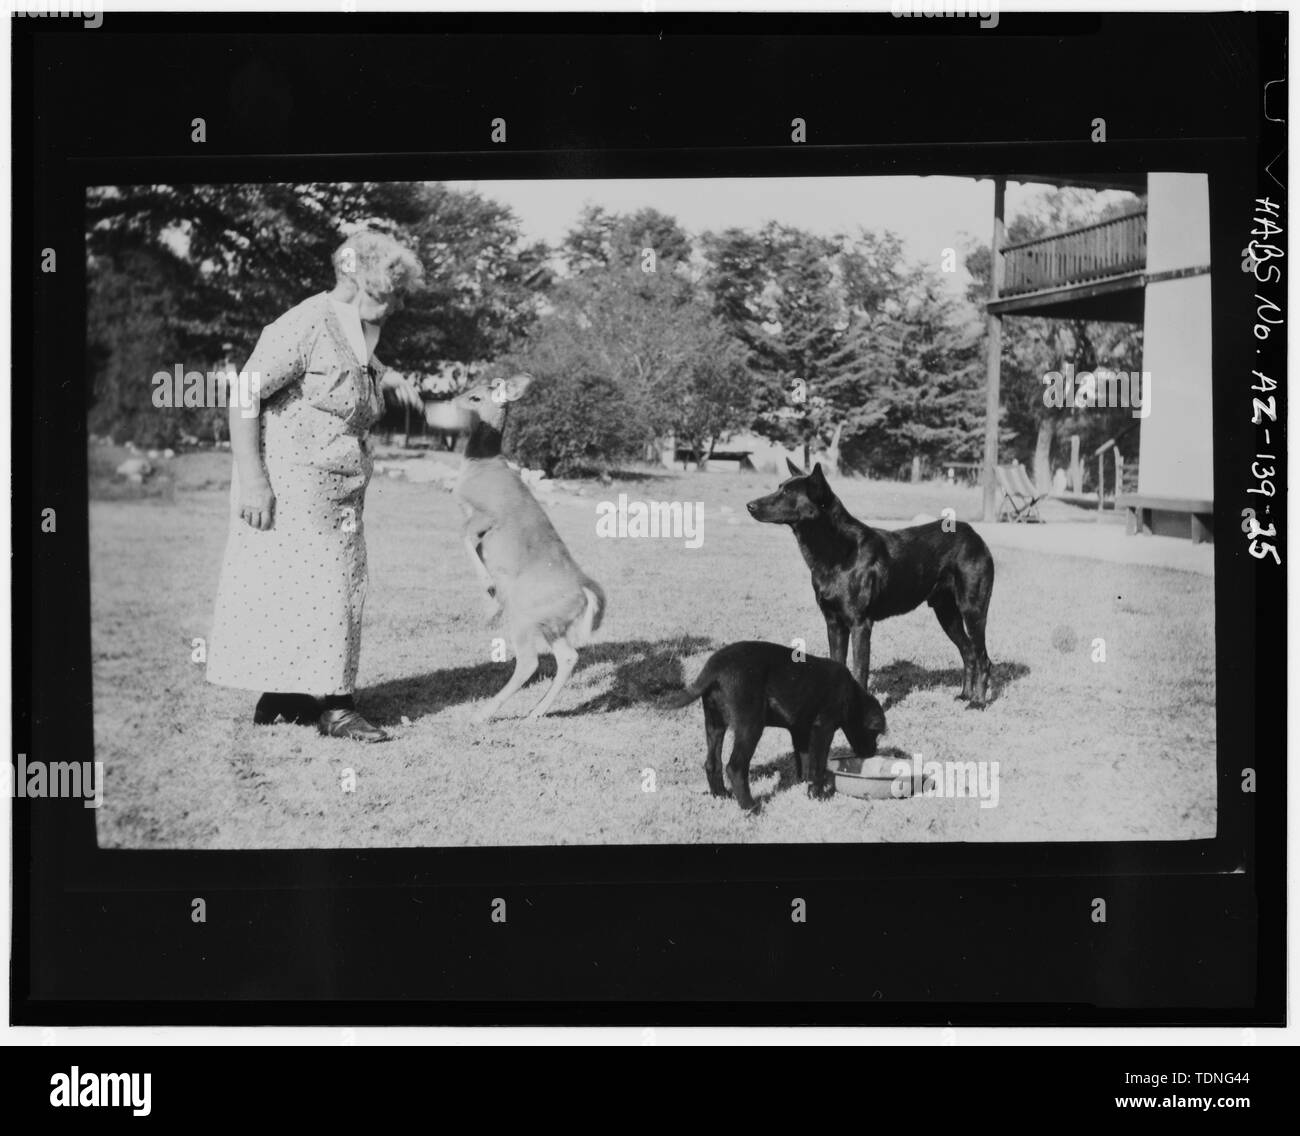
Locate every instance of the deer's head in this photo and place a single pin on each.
(490, 400)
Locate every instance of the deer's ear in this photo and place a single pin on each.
(795, 471)
(516, 385)
(511, 389)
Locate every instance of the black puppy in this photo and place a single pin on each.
(747, 686)
(861, 574)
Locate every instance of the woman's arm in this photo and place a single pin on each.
(403, 391)
(256, 499)
(278, 359)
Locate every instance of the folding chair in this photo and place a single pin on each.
(1019, 498)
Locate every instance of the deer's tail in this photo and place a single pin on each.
(592, 613)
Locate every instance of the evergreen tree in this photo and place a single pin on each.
(910, 381)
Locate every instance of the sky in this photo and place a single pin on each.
(930, 214)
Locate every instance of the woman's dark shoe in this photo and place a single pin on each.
(296, 709)
(347, 723)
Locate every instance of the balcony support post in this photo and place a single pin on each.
(997, 268)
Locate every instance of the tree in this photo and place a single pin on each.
(245, 252)
(714, 393)
(778, 291)
(482, 284)
(854, 348)
(601, 240)
(216, 263)
(576, 417)
(639, 357)
(909, 380)
(131, 334)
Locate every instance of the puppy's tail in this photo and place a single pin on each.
(679, 698)
(688, 694)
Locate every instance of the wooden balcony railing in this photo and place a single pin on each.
(1093, 252)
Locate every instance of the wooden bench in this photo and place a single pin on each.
(1167, 516)
(744, 457)
(969, 472)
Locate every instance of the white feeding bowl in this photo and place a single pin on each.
(444, 414)
(877, 778)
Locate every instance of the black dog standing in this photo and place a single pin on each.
(861, 574)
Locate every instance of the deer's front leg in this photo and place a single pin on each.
(477, 527)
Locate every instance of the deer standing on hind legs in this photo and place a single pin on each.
(549, 603)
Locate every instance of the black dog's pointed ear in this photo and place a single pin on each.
(819, 488)
(795, 471)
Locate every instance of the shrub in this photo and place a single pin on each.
(571, 423)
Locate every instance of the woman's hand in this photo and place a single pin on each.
(257, 504)
(404, 391)
(256, 501)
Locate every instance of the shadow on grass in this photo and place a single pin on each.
(643, 673)
(892, 683)
(788, 776)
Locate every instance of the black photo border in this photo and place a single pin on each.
(897, 934)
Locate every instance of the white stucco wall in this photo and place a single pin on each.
(1178, 221)
(1178, 435)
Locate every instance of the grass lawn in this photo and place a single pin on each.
(1119, 750)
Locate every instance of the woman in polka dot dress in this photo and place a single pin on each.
(293, 582)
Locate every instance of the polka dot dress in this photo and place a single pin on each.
(289, 604)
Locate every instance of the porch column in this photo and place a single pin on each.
(992, 391)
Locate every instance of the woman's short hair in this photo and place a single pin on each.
(377, 262)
